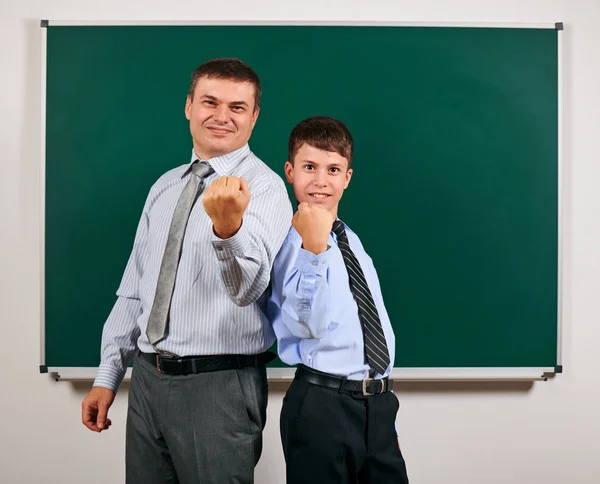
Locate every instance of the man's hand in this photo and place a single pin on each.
(225, 201)
(94, 409)
(313, 223)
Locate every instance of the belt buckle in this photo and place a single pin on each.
(364, 386)
(158, 363)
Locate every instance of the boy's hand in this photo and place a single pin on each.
(225, 201)
(313, 223)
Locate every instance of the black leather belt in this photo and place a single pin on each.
(175, 365)
(368, 386)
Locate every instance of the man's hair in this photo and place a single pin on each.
(227, 68)
(324, 133)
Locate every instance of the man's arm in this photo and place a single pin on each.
(121, 331)
(119, 337)
(246, 253)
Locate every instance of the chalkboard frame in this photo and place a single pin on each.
(402, 374)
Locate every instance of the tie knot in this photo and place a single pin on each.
(338, 229)
(202, 169)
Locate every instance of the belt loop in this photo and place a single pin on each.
(342, 383)
(194, 370)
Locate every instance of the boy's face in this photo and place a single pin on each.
(319, 177)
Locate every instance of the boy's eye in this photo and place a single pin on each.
(308, 167)
(334, 169)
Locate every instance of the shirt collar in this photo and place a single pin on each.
(223, 165)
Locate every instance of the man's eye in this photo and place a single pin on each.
(210, 103)
(238, 108)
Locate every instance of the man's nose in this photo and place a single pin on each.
(221, 113)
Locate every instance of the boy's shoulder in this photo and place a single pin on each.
(355, 242)
(353, 237)
(292, 237)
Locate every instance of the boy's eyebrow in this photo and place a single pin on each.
(233, 103)
(329, 165)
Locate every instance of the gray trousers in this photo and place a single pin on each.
(190, 429)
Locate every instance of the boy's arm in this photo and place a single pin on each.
(300, 274)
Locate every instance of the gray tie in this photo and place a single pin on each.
(159, 315)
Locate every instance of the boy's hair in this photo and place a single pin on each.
(227, 68)
(324, 133)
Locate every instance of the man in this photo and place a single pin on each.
(190, 309)
(338, 416)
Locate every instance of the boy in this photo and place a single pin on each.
(338, 416)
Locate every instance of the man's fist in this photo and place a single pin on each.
(313, 223)
(94, 409)
(225, 201)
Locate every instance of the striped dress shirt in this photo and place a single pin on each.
(219, 301)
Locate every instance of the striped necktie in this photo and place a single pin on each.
(159, 314)
(376, 350)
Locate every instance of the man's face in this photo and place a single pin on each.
(221, 116)
(319, 177)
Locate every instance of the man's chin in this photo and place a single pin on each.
(221, 147)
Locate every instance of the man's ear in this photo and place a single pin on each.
(289, 172)
(188, 108)
(255, 116)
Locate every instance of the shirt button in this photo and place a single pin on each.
(325, 261)
(315, 263)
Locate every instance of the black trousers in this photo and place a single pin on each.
(340, 438)
(204, 428)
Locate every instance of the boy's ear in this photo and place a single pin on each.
(289, 172)
(348, 176)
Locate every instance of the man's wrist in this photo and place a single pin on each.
(226, 230)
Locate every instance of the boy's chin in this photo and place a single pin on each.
(311, 201)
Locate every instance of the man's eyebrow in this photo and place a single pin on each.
(234, 103)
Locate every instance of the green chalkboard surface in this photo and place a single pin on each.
(456, 169)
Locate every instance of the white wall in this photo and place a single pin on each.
(452, 433)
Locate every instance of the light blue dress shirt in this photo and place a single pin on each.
(313, 311)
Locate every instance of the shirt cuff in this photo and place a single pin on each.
(234, 245)
(312, 264)
(109, 377)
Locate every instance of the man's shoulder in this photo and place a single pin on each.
(173, 174)
(163, 183)
(259, 175)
